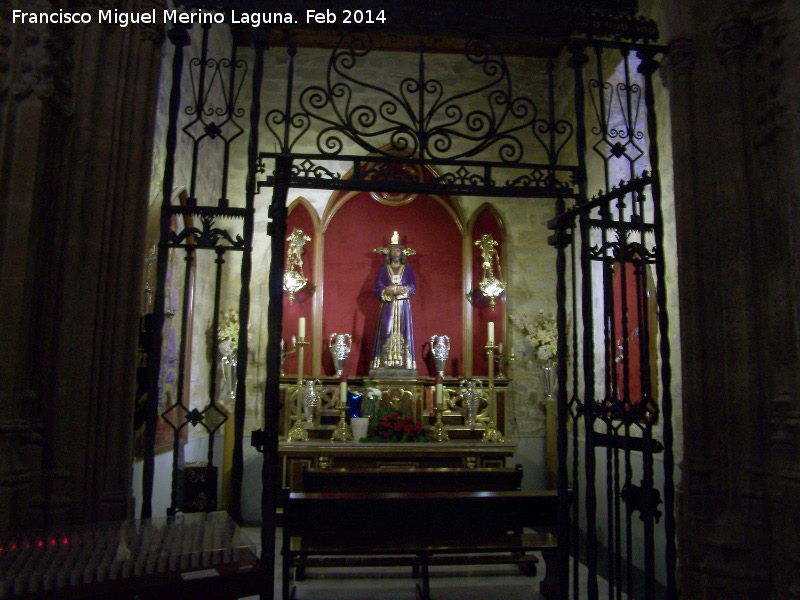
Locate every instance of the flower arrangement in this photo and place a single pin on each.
(541, 334)
(228, 333)
(390, 425)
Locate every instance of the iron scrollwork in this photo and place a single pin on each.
(227, 77)
(420, 118)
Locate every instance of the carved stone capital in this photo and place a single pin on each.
(730, 37)
(772, 100)
(41, 63)
(152, 32)
(679, 61)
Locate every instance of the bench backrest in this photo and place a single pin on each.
(393, 513)
(412, 480)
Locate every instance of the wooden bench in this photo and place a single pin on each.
(418, 529)
(412, 480)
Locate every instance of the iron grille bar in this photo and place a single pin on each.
(577, 62)
(272, 401)
(399, 160)
(199, 105)
(349, 185)
(562, 410)
(230, 212)
(237, 458)
(620, 191)
(179, 38)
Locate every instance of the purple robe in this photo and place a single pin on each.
(394, 352)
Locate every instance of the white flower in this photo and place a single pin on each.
(545, 352)
(227, 347)
(228, 332)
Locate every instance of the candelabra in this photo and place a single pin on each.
(506, 360)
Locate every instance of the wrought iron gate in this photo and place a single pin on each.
(606, 246)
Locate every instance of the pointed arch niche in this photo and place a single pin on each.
(354, 224)
(301, 215)
(340, 263)
(485, 220)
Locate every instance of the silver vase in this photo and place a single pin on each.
(228, 363)
(440, 348)
(549, 379)
(310, 397)
(340, 344)
(470, 400)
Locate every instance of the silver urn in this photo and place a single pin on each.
(340, 344)
(440, 348)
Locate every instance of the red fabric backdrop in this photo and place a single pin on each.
(359, 226)
(485, 222)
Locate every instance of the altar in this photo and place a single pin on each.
(464, 445)
(467, 454)
(352, 351)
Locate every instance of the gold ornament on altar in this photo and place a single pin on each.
(395, 241)
(491, 286)
(293, 278)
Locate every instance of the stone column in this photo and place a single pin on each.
(77, 140)
(738, 316)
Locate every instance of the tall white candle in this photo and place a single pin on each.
(439, 393)
(490, 335)
(301, 328)
(343, 393)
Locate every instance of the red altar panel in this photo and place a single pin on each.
(303, 306)
(485, 221)
(361, 224)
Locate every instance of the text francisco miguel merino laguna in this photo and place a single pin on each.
(255, 19)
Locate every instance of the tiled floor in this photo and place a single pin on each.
(496, 582)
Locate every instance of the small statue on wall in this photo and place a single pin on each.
(393, 353)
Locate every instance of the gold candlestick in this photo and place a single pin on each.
(439, 432)
(301, 343)
(491, 433)
(342, 432)
(298, 433)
